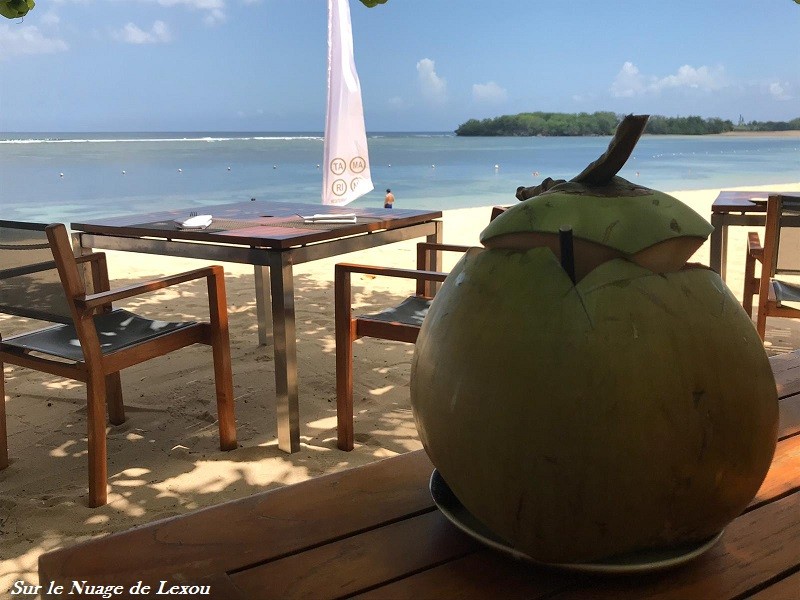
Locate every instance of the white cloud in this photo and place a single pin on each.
(397, 103)
(583, 98)
(780, 91)
(214, 9)
(215, 16)
(27, 39)
(50, 18)
(131, 34)
(197, 4)
(631, 82)
(628, 82)
(488, 92)
(701, 78)
(434, 88)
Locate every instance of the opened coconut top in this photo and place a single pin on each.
(622, 216)
(610, 216)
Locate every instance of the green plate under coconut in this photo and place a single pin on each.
(635, 562)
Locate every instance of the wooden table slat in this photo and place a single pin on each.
(782, 475)
(755, 547)
(789, 423)
(478, 576)
(786, 368)
(342, 568)
(787, 588)
(220, 587)
(233, 534)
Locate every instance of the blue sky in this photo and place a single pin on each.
(424, 65)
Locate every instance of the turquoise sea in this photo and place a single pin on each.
(61, 176)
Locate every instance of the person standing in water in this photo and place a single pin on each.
(389, 200)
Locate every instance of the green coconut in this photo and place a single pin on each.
(630, 411)
(603, 402)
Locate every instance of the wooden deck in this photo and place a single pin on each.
(374, 532)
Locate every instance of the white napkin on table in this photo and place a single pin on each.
(330, 218)
(198, 222)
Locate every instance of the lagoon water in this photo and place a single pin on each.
(64, 177)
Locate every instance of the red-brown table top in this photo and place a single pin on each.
(744, 201)
(258, 223)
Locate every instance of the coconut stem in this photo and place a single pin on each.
(601, 171)
(567, 251)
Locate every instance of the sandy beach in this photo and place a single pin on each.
(791, 133)
(165, 459)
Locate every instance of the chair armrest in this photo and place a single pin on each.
(754, 247)
(345, 331)
(426, 251)
(92, 301)
(92, 256)
(342, 269)
(99, 267)
(429, 246)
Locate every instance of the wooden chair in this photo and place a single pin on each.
(497, 211)
(40, 278)
(400, 323)
(779, 254)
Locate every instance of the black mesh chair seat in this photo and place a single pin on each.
(116, 330)
(785, 292)
(410, 311)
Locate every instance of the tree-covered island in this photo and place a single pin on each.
(604, 123)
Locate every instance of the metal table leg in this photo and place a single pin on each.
(262, 280)
(436, 238)
(285, 343)
(719, 244)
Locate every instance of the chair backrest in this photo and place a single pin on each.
(30, 285)
(786, 252)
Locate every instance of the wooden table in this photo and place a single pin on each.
(273, 238)
(737, 208)
(374, 532)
